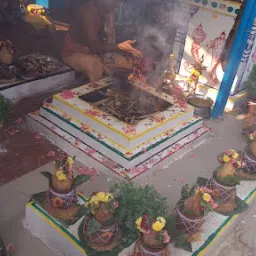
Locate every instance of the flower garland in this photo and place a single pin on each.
(146, 226)
(231, 156)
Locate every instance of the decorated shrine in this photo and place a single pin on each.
(209, 31)
(124, 124)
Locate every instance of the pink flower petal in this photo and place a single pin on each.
(19, 121)
(51, 153)
(38, 137)
(67, 94)
(12, 131)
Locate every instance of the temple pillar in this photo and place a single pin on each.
(246, 63)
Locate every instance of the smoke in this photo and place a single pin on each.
(156, 34)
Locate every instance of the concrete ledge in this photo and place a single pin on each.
(20, 90)
(59, 239)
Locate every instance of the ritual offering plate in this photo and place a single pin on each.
(202, 105)
(36, 65)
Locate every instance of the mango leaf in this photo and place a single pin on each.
(230, 180)
(93, 226)
(180, 240)
(241, 206)
(48, 175)
(80, 179)
(201, 181)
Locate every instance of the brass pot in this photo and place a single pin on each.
(188, 224)
(151, 241)
(103, 215)
(62, 185)
(202, 105)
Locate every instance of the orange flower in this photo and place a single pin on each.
(57, 202)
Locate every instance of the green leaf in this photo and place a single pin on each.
(241, 206)
(80, 179)
(180, 240)
(230, 180)
(93, 226)
(136, 201)
(201, 181)
(48, 175)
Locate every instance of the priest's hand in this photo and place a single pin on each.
(127, 47)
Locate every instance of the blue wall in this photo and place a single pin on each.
(44, 3)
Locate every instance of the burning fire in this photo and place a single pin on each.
(137, 75)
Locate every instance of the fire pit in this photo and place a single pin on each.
(129, 121)
(127, 103)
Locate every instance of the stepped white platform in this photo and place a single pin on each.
(126, 147)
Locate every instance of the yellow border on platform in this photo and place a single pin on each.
(129, 138)
(116, 143)
(81, 249)
(225, 227)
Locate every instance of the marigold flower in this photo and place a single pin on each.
(60, 175)
(207, 197)
(158, 226)
(70, 160)
(162, 220)
(235, 155)
(138, 223)
(226, 158)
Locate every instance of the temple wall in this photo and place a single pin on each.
(204, 33)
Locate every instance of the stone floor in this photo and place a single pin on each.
(242, 241)
(21, 150)
(167, 178)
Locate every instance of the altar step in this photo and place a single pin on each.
(23, 88)
(93, 150)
